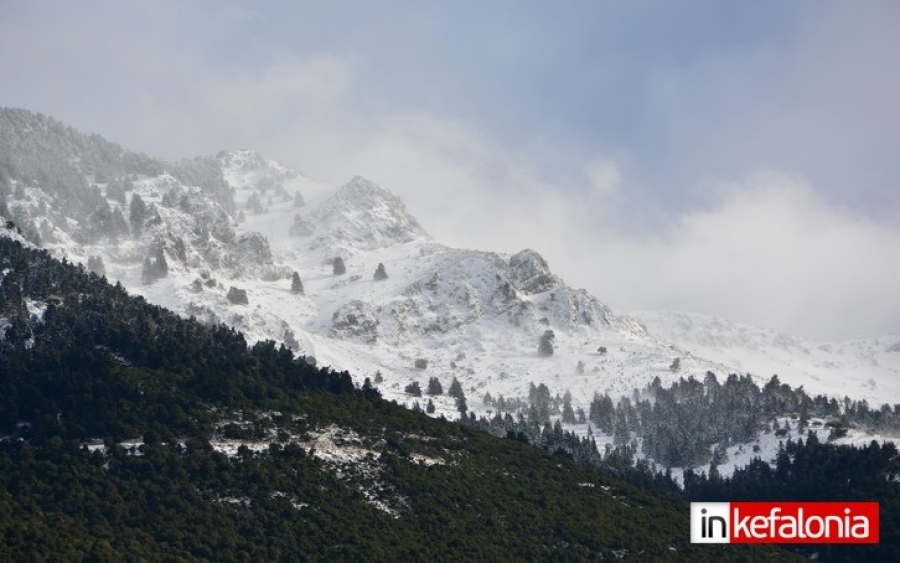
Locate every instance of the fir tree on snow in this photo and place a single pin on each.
(434, 387)
(296, 284)
(155, 266)
(545, 346)
(290, 340)
(461, 405)
(380, 273)
(237, 296)
(568, 414)
(429, 408)
(455, 389)
(337, 266)
(413, 389)
(137, 214)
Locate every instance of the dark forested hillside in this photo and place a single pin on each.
(116, 418)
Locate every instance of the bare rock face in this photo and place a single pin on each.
(528, 272)
(355, 321)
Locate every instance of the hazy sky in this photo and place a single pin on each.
(739, 159)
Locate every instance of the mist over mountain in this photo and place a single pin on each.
(251, 254)
(239, 239)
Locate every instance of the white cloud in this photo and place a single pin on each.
(771, 253)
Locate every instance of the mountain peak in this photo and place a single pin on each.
(365, 216)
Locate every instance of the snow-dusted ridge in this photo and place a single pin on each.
(861, 369)
(472, 315)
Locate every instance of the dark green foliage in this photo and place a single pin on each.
(815, 471)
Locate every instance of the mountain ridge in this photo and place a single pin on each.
(239, 220)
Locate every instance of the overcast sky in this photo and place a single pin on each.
(739, 159)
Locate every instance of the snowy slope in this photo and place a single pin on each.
(861, 369)
(473, 315)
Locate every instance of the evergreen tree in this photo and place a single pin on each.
(545, 346)
(461, 405)
(380, 273)
(455, 389)
(137, 214)
(296, 284)
(568, 415)
(155, 266)
(413, 389)
(290, 340)
(237, 296)
(337, 266)
(429, 408)
(434, 387)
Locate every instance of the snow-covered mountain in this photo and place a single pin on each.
(220, 238)
(861, 369)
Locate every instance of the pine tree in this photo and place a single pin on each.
(568, 415)
(429, 408)
(461, 405)
(380, 273)
(237, 296)
(137, 214)
(545, 346)
(296, 284)
(155, 266)
(413, 389)
(290, 340)
(434, 387)
(456, 389)
(337, 267)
